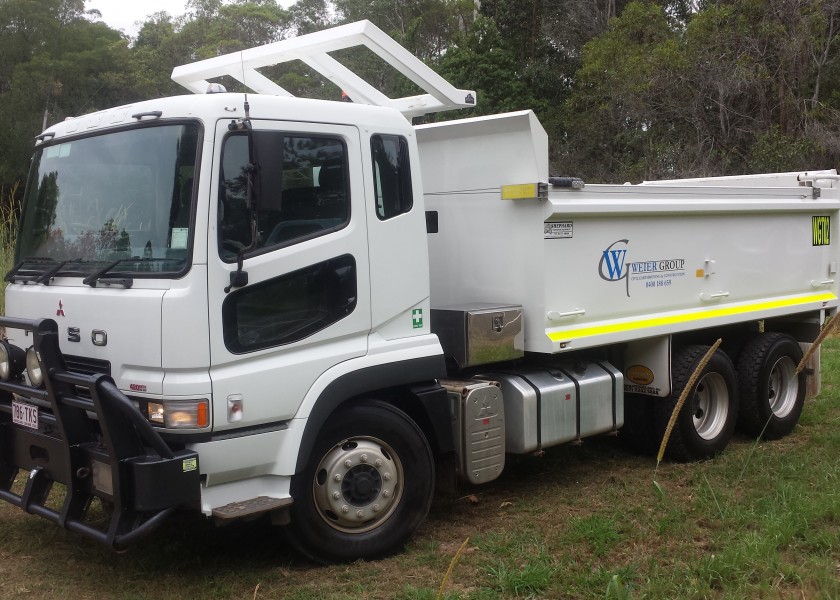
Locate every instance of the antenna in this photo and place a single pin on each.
(313, 50)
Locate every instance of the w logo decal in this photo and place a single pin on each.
(613, 265)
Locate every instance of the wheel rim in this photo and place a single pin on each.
(358, 484)
(711, 406)
(783, 389)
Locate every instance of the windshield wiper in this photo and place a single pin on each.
(12, 275)
(54, 267)
(94, 277)
(50, 273)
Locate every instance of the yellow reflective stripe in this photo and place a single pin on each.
(569, 334)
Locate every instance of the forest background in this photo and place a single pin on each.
(626, 90)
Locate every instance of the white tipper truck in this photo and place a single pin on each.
(248, 303)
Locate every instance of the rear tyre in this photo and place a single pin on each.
(706, 421)
(772, 394)
(367, 487)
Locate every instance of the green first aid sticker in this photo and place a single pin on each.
(417, 318)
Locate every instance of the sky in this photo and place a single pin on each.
(124, 14)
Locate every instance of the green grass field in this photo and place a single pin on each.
(595, 521)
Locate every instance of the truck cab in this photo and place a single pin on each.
(239, 266)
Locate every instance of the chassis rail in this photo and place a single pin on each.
(94, 440)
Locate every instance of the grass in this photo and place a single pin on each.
(9, 215)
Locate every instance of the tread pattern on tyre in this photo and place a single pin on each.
(679, 447)
(682, 367)
(751, 362)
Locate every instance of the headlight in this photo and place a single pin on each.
(33, 368)
(12, 361)
(180, 414)
(156, 413)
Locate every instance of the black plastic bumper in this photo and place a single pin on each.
(116, 456)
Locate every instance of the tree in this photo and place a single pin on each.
(425, 27)
(729, 91)
(55, 63)
(482, 60)
(27, 27)
(625, 93)
(157, 50)
(308, 16)
(217, 28)
(626, 90)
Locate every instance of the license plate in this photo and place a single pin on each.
(25, 414)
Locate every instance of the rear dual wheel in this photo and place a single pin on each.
(706, 421)
(772, 393)
(765, 396)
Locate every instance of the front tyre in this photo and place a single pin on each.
(772, 394)
(706, 421)
(366, 488)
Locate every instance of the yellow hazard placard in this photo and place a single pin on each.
(820, 231)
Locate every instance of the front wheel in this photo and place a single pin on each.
(366, 488)
(706, 421)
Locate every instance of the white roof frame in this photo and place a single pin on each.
(312, 49)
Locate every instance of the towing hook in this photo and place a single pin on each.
(82, 472)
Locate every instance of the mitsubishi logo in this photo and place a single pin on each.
(60, 311)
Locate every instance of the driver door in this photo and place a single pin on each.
(305, 307)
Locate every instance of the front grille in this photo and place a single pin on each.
(87, 366)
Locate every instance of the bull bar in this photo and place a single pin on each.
(94, 440)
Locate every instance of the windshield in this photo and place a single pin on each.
(123, 196)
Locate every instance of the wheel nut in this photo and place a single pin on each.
(336, 495)
(337, 478)
(363, 458)
(375, 508)
(360, 514)
(386, 476)
(386, 493)
(347, 463)
(378, 462)
(345, 509)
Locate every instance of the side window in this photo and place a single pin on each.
(291, 307)
(234, 219)
(300, 186)
(391, 175)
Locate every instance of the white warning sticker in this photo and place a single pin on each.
(559, 231)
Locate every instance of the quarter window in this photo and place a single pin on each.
(391, 175)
